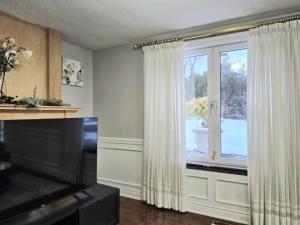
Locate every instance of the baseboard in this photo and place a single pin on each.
(207, 210)
(128, 190)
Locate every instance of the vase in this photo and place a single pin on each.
(201, 139)
(2, 81)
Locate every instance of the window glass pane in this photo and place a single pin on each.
(196, 104)
(233, 103)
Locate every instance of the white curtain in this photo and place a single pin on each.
(164, 164)
(274, 124)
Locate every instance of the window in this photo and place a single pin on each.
(196, 70)
(216, 104)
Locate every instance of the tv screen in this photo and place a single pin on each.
(43, 160)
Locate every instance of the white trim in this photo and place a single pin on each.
(217, 41)
(230, 202)
(217, 208)
(202, 205)
(217, 77)
(198, 197)
(127, 189)
(201, 52)
(126, 144)
(212, 49)
(197, 176)
(217, 212)
(231, 181)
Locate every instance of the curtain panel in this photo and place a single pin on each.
(164, 151)
(274, 124)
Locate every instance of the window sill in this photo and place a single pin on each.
(218, 169)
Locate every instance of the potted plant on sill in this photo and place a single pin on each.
(198, 108)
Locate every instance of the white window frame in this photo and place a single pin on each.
(208, 52)
(214, 47)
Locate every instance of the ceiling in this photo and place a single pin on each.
(97, 24)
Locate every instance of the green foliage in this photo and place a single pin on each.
(201, 85)
(54, 102)
(32, 101)
(199, 82)
(34, 95)
(36, 102)
(233, 95)
(7, 100)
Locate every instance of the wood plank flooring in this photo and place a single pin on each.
(135, 212)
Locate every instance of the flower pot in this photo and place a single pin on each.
(201, 139)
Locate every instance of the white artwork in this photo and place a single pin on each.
(72, 72)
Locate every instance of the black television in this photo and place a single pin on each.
(43, 160)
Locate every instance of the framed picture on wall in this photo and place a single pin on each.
(72, 72)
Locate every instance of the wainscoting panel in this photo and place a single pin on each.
(120, 164)
(224, 196)
(198, 187)
(227, 195)
(232, 193)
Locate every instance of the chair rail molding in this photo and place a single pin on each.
(125, 144)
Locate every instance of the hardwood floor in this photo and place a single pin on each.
(135, 212)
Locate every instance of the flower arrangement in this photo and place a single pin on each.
(9, 58)
(198, 108)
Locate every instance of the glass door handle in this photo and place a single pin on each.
(214, 155)
(213, 107)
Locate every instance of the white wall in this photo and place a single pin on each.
(118, 92)
(118, 101)
(80, 96)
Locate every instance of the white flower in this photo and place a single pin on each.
(10, 52)
(12, 40)
(4, 45)
(27, 54)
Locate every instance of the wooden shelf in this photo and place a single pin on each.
(17, 112)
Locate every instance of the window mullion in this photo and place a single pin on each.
(217, 89)
(212, 100)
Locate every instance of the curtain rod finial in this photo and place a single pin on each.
(136, 47)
